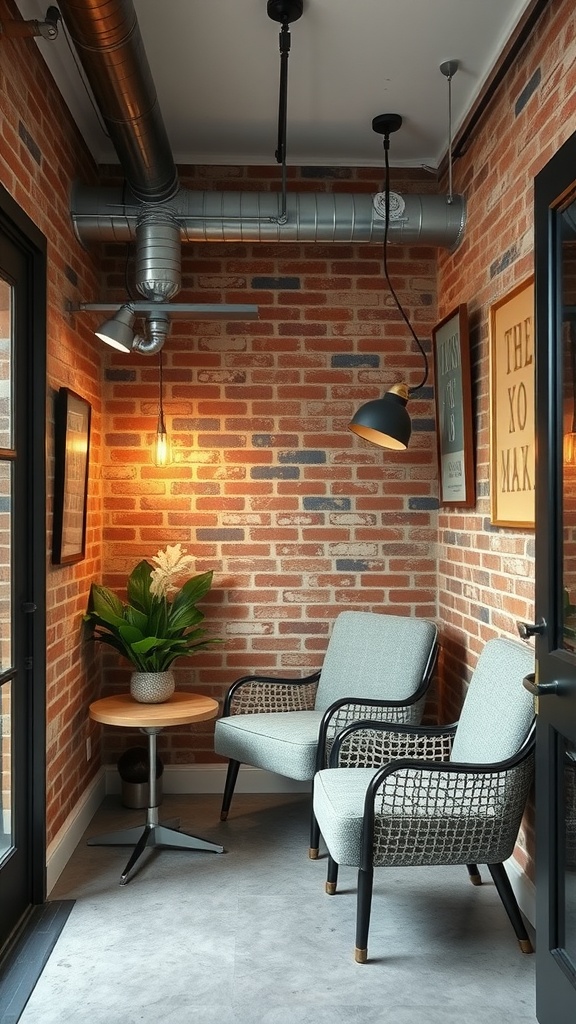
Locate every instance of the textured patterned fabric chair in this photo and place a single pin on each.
(404, 795)
(376, 666)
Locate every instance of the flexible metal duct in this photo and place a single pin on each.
(158, 254)
(102, 214)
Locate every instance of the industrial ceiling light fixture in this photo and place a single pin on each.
(284, 11)
(385, 421)
(161, 449)
(118, 331)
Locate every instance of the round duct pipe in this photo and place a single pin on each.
(102, 214)
(107, 38)
(158, 255)
(157, 332)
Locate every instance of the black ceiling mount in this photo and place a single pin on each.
(385, 124)
(285, 11)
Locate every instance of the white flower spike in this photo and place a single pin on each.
(171, 564)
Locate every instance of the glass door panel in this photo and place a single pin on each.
(6, 841)
(22, 567)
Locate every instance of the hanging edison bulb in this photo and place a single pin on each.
(569, 454)
(569, 446)
(161, 448)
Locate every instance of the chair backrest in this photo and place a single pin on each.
(375, 655)
(497, 710)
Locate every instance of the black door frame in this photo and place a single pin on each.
(22, 231)
(554, 185)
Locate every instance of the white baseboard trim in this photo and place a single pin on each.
(209, 778)
(524, 890)
(65, 842)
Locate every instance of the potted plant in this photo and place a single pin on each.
(159, 622)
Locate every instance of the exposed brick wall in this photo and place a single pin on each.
(41, 153)
(486, 573)
(298, 517)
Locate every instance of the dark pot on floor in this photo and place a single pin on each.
(133, 771)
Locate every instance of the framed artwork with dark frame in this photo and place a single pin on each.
(512, 412)
(71, 457)
(453, 394)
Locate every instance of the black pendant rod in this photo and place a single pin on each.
(283, 11)
(284, 40)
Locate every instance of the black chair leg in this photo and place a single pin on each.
(231, 776)
(331, 876)
(475, 876)
(506, 893)
(314, 838)
(363, 905)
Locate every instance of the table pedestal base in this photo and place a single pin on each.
(161, 835)
(152, 834)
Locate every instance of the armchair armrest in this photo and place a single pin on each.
(260, 694)
(347, 710)
(428, 812)
(371, 743)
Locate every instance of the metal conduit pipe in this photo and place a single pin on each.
(102, 214)
(107, 37)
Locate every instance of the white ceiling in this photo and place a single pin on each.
(216, 66)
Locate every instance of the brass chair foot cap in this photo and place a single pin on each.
(331, 888)
(224, 816)
(525, 945)
(476, 879)
(360, 955)
(313, 853)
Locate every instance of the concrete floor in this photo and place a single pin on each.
(249, 935)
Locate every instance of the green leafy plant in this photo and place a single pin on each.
(160, 621)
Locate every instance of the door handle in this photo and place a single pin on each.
(528, 629)
(552, 689)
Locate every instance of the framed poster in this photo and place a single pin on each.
(71, 452)
(512, 448)
(454, 410)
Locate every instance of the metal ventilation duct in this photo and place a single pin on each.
(102, 214)
(107, 38)
(160, 216)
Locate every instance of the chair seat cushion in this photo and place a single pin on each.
(284, 742)
(425, 822)
(339, 795)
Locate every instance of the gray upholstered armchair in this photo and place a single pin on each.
(409, 795)
(376, 666)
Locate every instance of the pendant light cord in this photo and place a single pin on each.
(385, 263)
(161, 424)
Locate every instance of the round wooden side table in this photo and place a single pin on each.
(123, 711)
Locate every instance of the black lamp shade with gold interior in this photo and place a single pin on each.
(385, 421)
